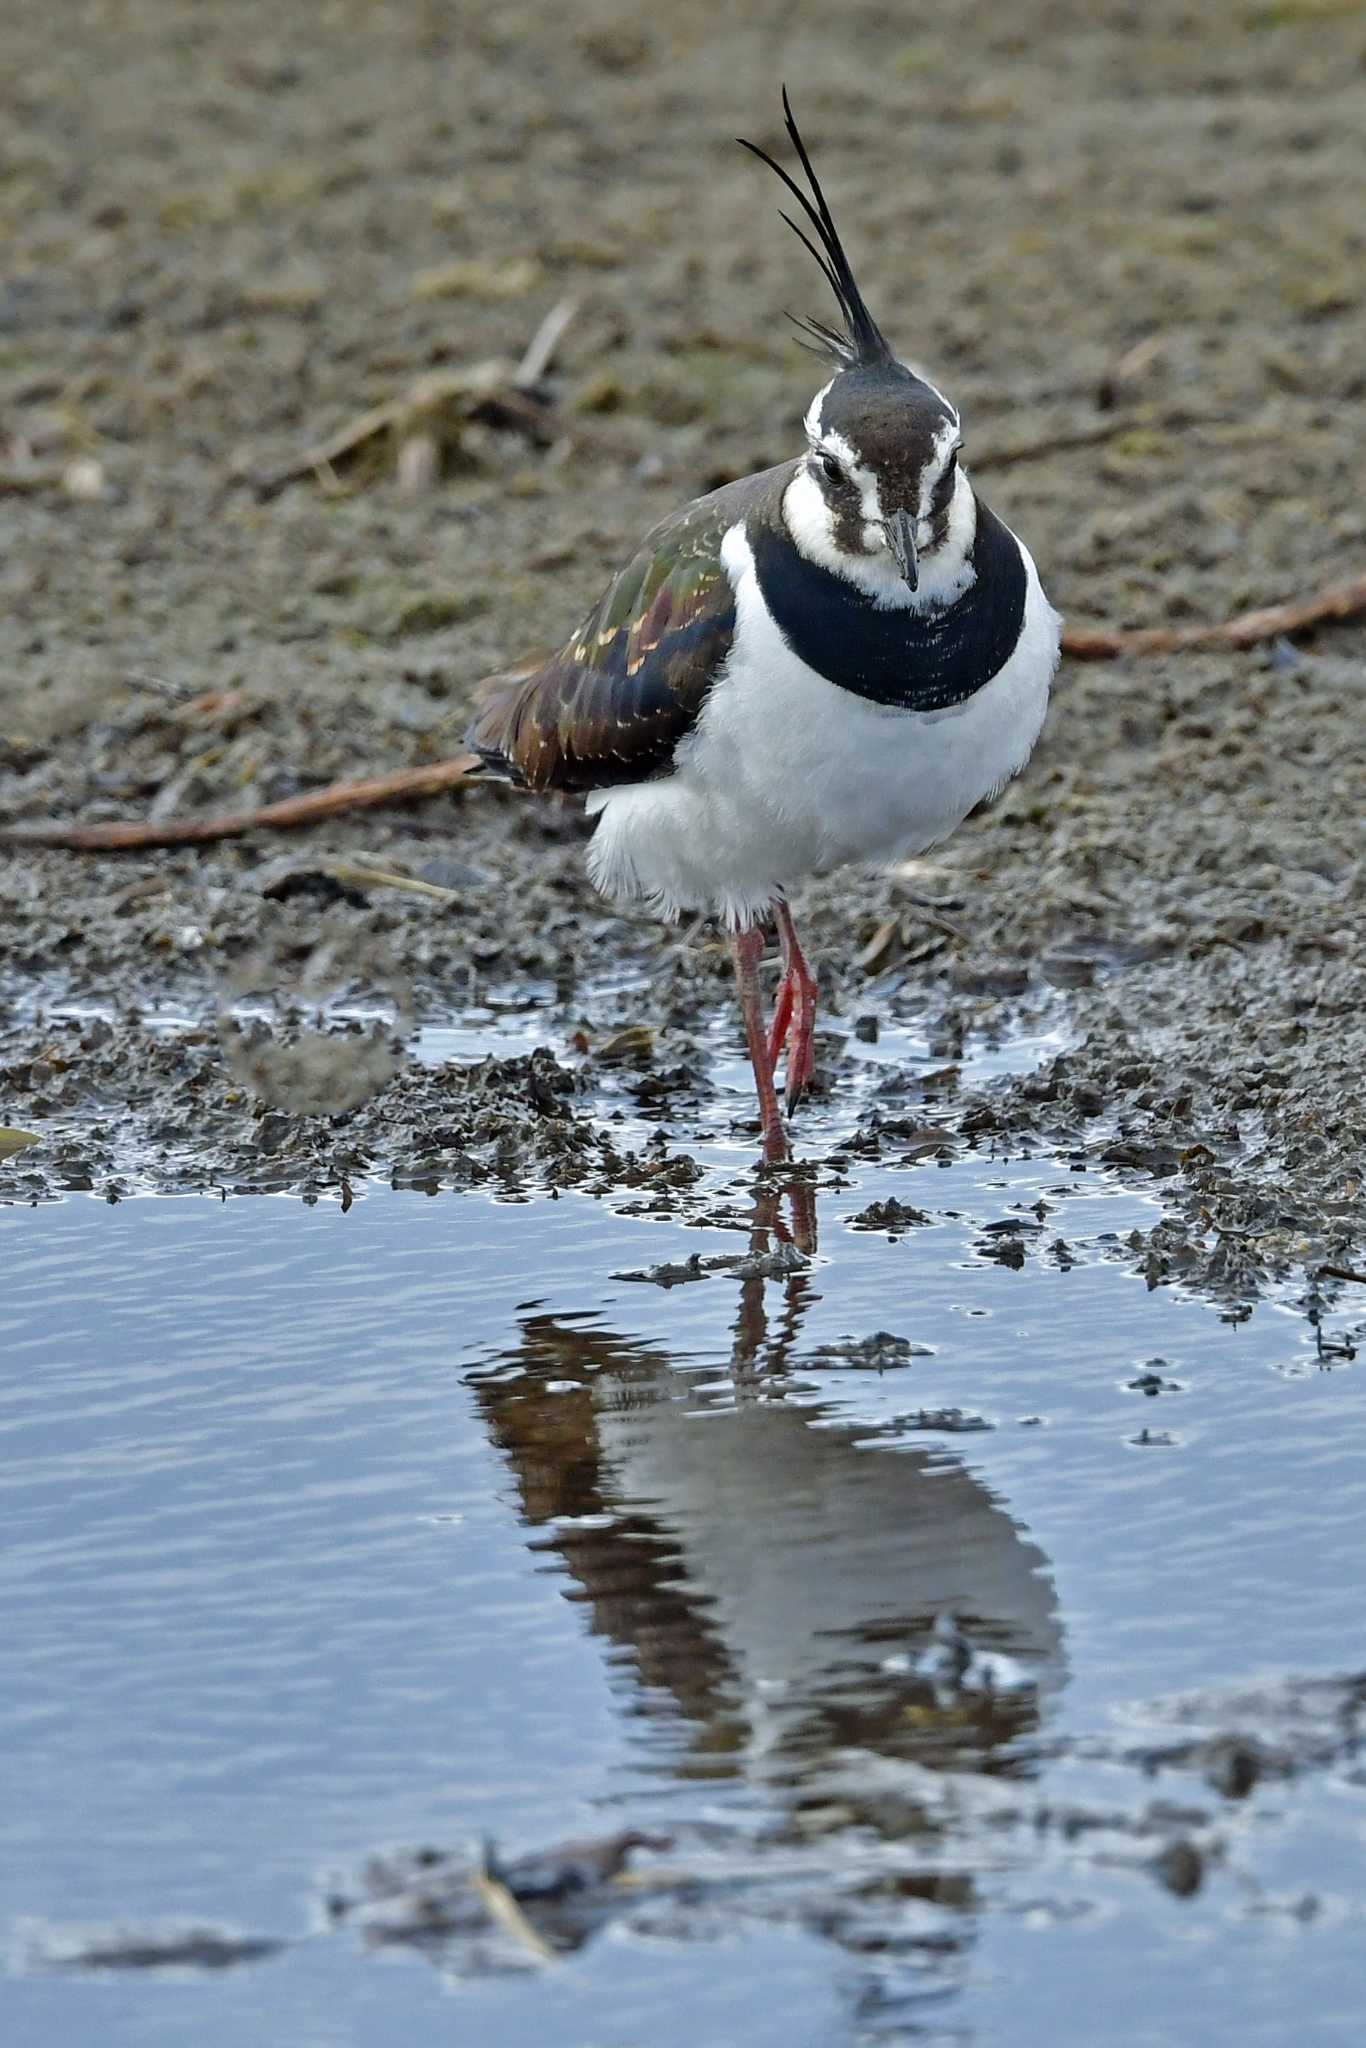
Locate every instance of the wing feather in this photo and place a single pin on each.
(613, 704)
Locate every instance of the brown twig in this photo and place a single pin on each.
(1335, 601)
(1070, 435)
(539, 352)
(216, 707)
(136, 835)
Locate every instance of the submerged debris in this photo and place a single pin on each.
(549, 1902)
(153, 1947)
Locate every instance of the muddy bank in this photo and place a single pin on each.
(215, 259)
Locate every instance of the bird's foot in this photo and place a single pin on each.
(777, 1151)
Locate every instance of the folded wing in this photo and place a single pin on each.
(613, 704)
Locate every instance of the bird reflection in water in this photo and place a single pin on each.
(841, 1623)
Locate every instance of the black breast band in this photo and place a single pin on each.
(916, 660)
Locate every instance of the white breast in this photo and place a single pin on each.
(804, 1554)
(786, 775)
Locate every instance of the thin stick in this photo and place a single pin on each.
(136, 835)
(502, 1906)
(1334, 601)
(1091, 433)
(539, 353)
(372, 875)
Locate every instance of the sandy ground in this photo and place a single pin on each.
(1131, 243)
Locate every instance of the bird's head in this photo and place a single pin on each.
(881, 496)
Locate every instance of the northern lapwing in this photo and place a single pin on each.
(831, 661)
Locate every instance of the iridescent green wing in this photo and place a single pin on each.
(616, 700)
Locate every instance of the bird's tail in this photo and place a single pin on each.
(497, 702)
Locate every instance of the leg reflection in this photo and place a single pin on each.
(755, 1355)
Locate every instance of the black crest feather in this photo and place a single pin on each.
(862, 342)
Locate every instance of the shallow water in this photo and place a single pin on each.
(328, 1532)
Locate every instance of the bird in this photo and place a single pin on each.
(832, 661)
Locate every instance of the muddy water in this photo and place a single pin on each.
(978, 1636)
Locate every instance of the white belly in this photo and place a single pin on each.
(787, 775)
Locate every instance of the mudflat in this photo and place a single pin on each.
(1131, 247)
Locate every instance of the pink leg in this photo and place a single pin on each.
(797, 1003)
(782, 1018)
(747, 950)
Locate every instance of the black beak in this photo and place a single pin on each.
(900, 532)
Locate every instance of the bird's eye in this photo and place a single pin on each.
(832, 469)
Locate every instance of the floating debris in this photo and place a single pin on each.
(882, 1352)
(550, 1901)
(945, 1421)
(891, 1216)
(776, 1264)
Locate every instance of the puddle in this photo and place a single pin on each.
(980, 1631)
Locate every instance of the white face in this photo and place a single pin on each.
(834, 510)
